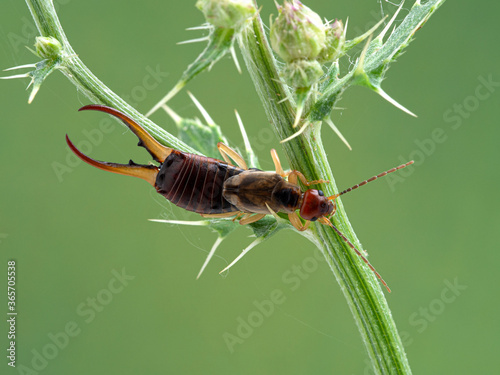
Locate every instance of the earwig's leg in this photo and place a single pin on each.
(292, 175)
(220, 216)
(277, 163)
(295, 220)
(227, 152)
(240, 215)
(292, 178)
(251, 219)
(272, 212)
(334, 208)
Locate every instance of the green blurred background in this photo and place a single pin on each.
(71, 233)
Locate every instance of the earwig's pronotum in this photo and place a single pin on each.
(218, 189)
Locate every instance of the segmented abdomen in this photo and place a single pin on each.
(195, 182)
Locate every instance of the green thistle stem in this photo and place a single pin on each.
(361, 289)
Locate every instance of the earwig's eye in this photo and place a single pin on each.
(320, 192)
(314, 219)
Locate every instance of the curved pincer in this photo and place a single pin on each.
(146, 172)
(157, 150)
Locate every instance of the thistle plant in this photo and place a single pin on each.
(296, 73)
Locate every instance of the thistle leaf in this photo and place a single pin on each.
(42, 70)
(220, 42)
(374, 62)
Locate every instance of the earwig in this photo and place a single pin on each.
(218, 189)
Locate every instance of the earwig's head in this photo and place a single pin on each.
(315, 205)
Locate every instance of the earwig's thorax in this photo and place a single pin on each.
(287, 196)
(315, 205)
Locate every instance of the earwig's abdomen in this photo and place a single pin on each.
(195, 182)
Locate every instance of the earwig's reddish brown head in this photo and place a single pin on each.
(315, 205)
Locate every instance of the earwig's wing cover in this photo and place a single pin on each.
(251, 190)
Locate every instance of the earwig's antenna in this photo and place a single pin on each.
(332, 197)
(325, 221)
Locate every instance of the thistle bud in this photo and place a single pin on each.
(229, 14)
(47, 47)
(334, 43)
(297, 33)
(302, 73)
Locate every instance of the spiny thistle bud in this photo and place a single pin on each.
(229, 14)
(47, 47)
(302, 73)
(335, 40)
(297, 33)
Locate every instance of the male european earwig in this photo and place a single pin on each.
(218, 189)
